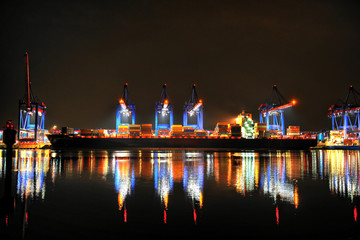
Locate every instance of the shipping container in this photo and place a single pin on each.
(235, 130)
(86, 132)
(260, 126)
(163, 132)
(293, 134)
(222, 129)
(176, 128)
(200, 133)
(293, 131)
(261, 134)
(176, 131)
(135, 130)
(67, 130)
(123, 131)
(135, 127)
(146, 130)
(189, 131)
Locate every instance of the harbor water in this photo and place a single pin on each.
(180, 193)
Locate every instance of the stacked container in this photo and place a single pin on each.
(135, 130)
(293, 131)
(176, 130)
(200, 133)
(235, 130)
(260, 130)
(123, 131)
(189, 131)
(146, 130)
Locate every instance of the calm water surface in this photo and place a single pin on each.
(179, 193)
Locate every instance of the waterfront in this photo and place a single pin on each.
(179, 193)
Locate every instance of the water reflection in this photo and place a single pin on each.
(163, 176)
(246, 172)
(275, 174)
(271, 175)
(31, 167)
(124, 179)
(343, 172)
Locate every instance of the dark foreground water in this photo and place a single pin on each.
(180, 194)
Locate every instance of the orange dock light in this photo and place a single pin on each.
(122, 103)
(166, 103)
(196, 107)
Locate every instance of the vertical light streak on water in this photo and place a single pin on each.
(1, 163)
(209, 165)
(32, 167)
(343, 172)
(124, 179)
(156, 178)
(321, 164)
(193, 180)
(163, 176)
(314, 173)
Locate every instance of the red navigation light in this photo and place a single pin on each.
(355, 213)
(200, 101)
(293, 102)
(195, 216)
(125, 215)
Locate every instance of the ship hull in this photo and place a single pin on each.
(67, 142)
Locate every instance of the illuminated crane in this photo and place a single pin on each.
(31, 112)
(125, 110)
(272, 112)
(193, 111)
(163, 112)
(345, 115)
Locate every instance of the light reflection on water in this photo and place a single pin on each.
(276, 176)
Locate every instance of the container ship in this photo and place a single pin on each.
(73, 142)
(224, 137)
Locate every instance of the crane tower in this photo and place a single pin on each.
(163, 112)
(125, 110)
(193, 111)
(31, 112)
(345, 115)
(272, 111)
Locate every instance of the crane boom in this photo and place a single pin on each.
(27, 83)
(196, 107)
(274, 109)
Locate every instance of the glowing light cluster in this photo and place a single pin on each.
(32, 169)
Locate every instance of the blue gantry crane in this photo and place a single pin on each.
(125, 110)
(272, 111)
(345, 115)
(164, 118)
(31, 113)
(193, 111)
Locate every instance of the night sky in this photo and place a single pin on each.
(82, 52)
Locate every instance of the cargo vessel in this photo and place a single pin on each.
(61, 141)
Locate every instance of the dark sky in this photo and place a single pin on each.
(82, 53)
